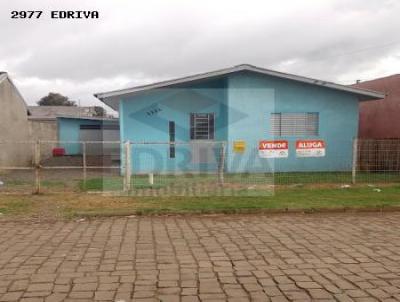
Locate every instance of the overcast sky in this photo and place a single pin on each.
(137, 42)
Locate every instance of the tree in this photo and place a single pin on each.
(99, 111)
(55, 99)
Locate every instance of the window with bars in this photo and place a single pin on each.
(294, 124)
(202, 126)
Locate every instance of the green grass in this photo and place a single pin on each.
(246, 179)
(292, 199)
(334, 177)
(239, 181)
(73, 204)
(287, 199)
(115, 184)
(15, 207)
(98, 184)
(52, 183)
(17, 182)
(322, 177)
(142, 182)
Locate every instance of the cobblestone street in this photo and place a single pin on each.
(319, 257)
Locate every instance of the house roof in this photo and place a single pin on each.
(52, 112)
(92, 118)
(111, 98)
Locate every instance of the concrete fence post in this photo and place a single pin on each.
(37, 167)
(354, 163)
(151, 179)
(221, 164)
(127, 176)
(84, 164)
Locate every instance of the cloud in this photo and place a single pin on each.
(136, 42)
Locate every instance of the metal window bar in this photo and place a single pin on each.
(202, 126)
(294, 124)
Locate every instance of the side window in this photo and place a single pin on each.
(171, 131)
(202, 126)
(294, 124)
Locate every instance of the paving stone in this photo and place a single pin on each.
(56, 297)
(235, 293)
(319, 294)
(12, 296)
(36, 294)
(308, 285)
(31, 300)
(19, 285)
(81, 295)
(190, 299)
(342, 257)
(104, 295)
(40, 287)
(82, 287)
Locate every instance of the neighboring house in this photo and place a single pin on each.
(43, 127)
(52, 112)
(43, 119)
(22, 125)
(74, 132)
(242, 106)
(51, 124)
(380, 119)
(14, 133)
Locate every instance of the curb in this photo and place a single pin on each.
(222, 212)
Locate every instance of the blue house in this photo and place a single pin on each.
(74, 131)
(248, 118)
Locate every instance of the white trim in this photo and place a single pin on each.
(106, 97)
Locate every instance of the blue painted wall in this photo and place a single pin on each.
(244, 101)
(257, 96)
(68, 131)
(145, 118)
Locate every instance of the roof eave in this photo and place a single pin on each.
(92, 118)
(41, 118)
(361, 92)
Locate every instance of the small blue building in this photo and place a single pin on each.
(181, 124)
(74, 131)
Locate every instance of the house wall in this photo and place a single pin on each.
(69, 134)
(254, 98)
(242, 104)
(13, 127)
(379, 119)
(44, 131)
(139, 124)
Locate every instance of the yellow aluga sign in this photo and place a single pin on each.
(239, 146)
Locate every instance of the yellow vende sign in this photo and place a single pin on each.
(239, 146)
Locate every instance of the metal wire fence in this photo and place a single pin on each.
(196, 168)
